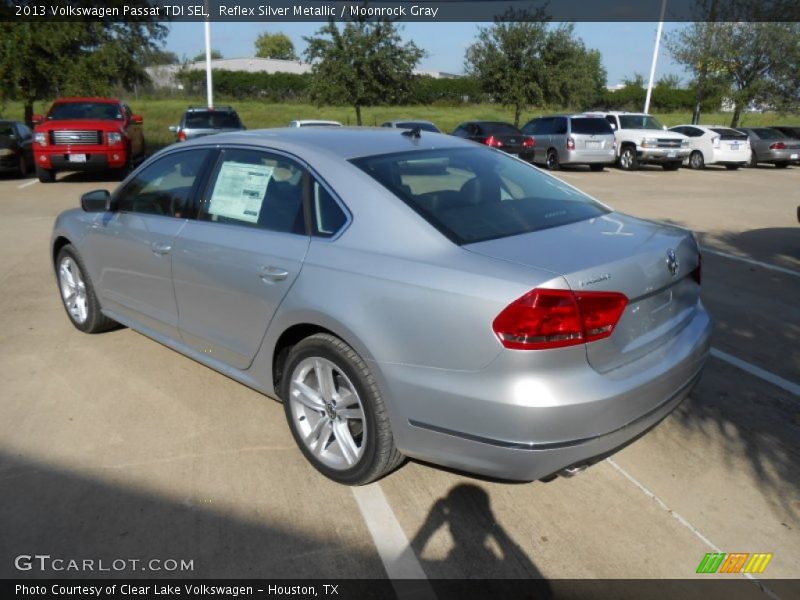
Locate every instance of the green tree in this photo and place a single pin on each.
(573, 75)
(161, 57)
(39, 60)
(215, 55)
(753, 62)
(363, 64)
(275, 45)
(506, 59)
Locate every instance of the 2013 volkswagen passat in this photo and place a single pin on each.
(403, 293)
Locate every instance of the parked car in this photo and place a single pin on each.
(413, 124)
(771, 146)
(497, 134)
(792, 131)
(198, 121)
(283, 260)
(87, 134)
(314, 123)
(571, 140)
(715, 145)
(641, 139)
(16, 148)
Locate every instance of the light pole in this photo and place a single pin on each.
(655, 57)
(209, 83)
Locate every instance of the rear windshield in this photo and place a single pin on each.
(103, 111)
(591, 126)
(212, 120)
(421, 124)
(765, 133)
(639, 122)
(499, 129)
(729, 134)
(476, 194)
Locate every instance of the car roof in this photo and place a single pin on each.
(315, 121)
(99, 100)
(341, 142)
(210, 109)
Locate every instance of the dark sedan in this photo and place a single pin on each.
(769, 145)
(16, 148)
(497, 134)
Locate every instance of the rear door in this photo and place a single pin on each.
(233, 266)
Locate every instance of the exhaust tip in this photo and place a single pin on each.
(572, 471)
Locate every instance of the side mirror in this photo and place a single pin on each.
(96, 201)
(36, 119)
(613, 126)
(173, 128)
(137, 119)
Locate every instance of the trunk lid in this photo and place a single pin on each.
(618, 253)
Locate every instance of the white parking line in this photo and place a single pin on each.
(686, 524)
(752, 261)
(27, 183)
(775, 380)
(392, 544)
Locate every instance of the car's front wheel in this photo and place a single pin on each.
(45, 175)
(77, 293)
(336, 413)
(628, 160)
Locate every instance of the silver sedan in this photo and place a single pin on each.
(405, 294)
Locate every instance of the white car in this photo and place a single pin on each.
(715, 145)
(314, 123)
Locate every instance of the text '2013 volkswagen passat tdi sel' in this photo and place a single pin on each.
(403, 293)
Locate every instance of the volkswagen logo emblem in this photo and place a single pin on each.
(672, 262)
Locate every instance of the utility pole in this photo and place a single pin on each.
(655, 57)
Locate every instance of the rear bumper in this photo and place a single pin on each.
(589, 157)
(730, 157)
(515, 423)
(773, 156)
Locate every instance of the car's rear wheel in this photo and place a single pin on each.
(22, 166)
(781, 165)
(336, 413)
(77, 293)
(696, 160)
(596, 167)
(753, 161)
(552, 160)
(628, 161)
(45, 175)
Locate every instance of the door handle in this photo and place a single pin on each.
(160, 248)
(270, 274)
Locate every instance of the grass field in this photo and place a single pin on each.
(159, 114)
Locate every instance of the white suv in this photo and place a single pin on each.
(641, 139)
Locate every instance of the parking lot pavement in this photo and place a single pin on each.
(114, 446)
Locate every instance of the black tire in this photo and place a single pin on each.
(732, 167)
(672, 166)
(781, 165)
(628, 160)
(45, 175)
(696, 160)
(379, 455)
(95, 321)
(597, 168)
(125, 169)
(753, 161)
(552, 161)
(22, 166)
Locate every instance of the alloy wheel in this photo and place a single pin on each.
(73, 289)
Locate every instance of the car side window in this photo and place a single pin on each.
(24, 131)
(460, 131)
(164, 187)
(327, 214)
(546, 126)
(560, 125)
(533, 127)
(256, 189)
(692, 131)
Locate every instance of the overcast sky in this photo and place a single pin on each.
(627, 48)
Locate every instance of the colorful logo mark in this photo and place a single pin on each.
(736, 562)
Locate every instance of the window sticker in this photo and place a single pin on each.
(239, 191)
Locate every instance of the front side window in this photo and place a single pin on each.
(473, 194)
(256, 189)
(164, 187)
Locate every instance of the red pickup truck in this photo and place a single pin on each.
(87, 134)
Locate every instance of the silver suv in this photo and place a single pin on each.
(571, 140)
(198, 121)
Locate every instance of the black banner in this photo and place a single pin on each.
(401, 10)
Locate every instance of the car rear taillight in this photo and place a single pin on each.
(778, 146)
(528, 142)
(715, 141)
(545, 318)
(570, 144)
(493, 142)
(181, 136)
